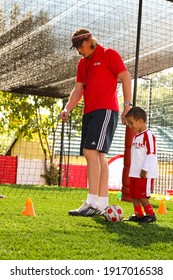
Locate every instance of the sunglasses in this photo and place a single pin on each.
(79, 44)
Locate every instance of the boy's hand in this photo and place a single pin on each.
(143, 174)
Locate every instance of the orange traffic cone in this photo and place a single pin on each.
(162, 208)
(28, 209)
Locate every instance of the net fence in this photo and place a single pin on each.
(38, 72)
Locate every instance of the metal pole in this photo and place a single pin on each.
(150, 103)
(130, 133)
(137, 52)
(69, 145)
(61, 149)
(148, 78)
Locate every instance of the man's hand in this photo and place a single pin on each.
(126, 109)
(64, 115)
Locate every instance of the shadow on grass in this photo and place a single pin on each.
(132, 234)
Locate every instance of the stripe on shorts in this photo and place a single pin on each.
(103, 130)
(148, 187)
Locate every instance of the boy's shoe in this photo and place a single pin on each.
(147, 219)
(132, 218)
(86, 210)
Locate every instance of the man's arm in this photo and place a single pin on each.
(127, 92)
(75, 97)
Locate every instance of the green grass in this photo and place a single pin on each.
(53, 234)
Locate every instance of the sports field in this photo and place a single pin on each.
(53, 234)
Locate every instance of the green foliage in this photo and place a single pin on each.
(52, 175)
(77, 117)
(53, 234)
(155, 95)
(32, 117)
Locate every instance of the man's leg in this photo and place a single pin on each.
(98, 175)
(104, 176)
(94, 169)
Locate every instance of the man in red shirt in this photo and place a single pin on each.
(98, 73)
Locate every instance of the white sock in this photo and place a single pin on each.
(102, 202)
(92, 199)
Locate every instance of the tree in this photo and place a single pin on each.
(33, 117)
(46, 125)
(161, 97)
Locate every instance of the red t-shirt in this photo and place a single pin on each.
(99, 74)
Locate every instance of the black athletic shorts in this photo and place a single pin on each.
(98, 128)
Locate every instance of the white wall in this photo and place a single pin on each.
(29, 172)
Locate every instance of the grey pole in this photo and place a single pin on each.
(137, 52)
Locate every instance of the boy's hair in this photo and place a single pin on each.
(137, 113)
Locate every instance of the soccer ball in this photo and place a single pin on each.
(114, 213)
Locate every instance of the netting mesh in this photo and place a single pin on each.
(35, 39)
(36, 60)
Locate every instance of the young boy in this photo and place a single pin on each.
(143, 167)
